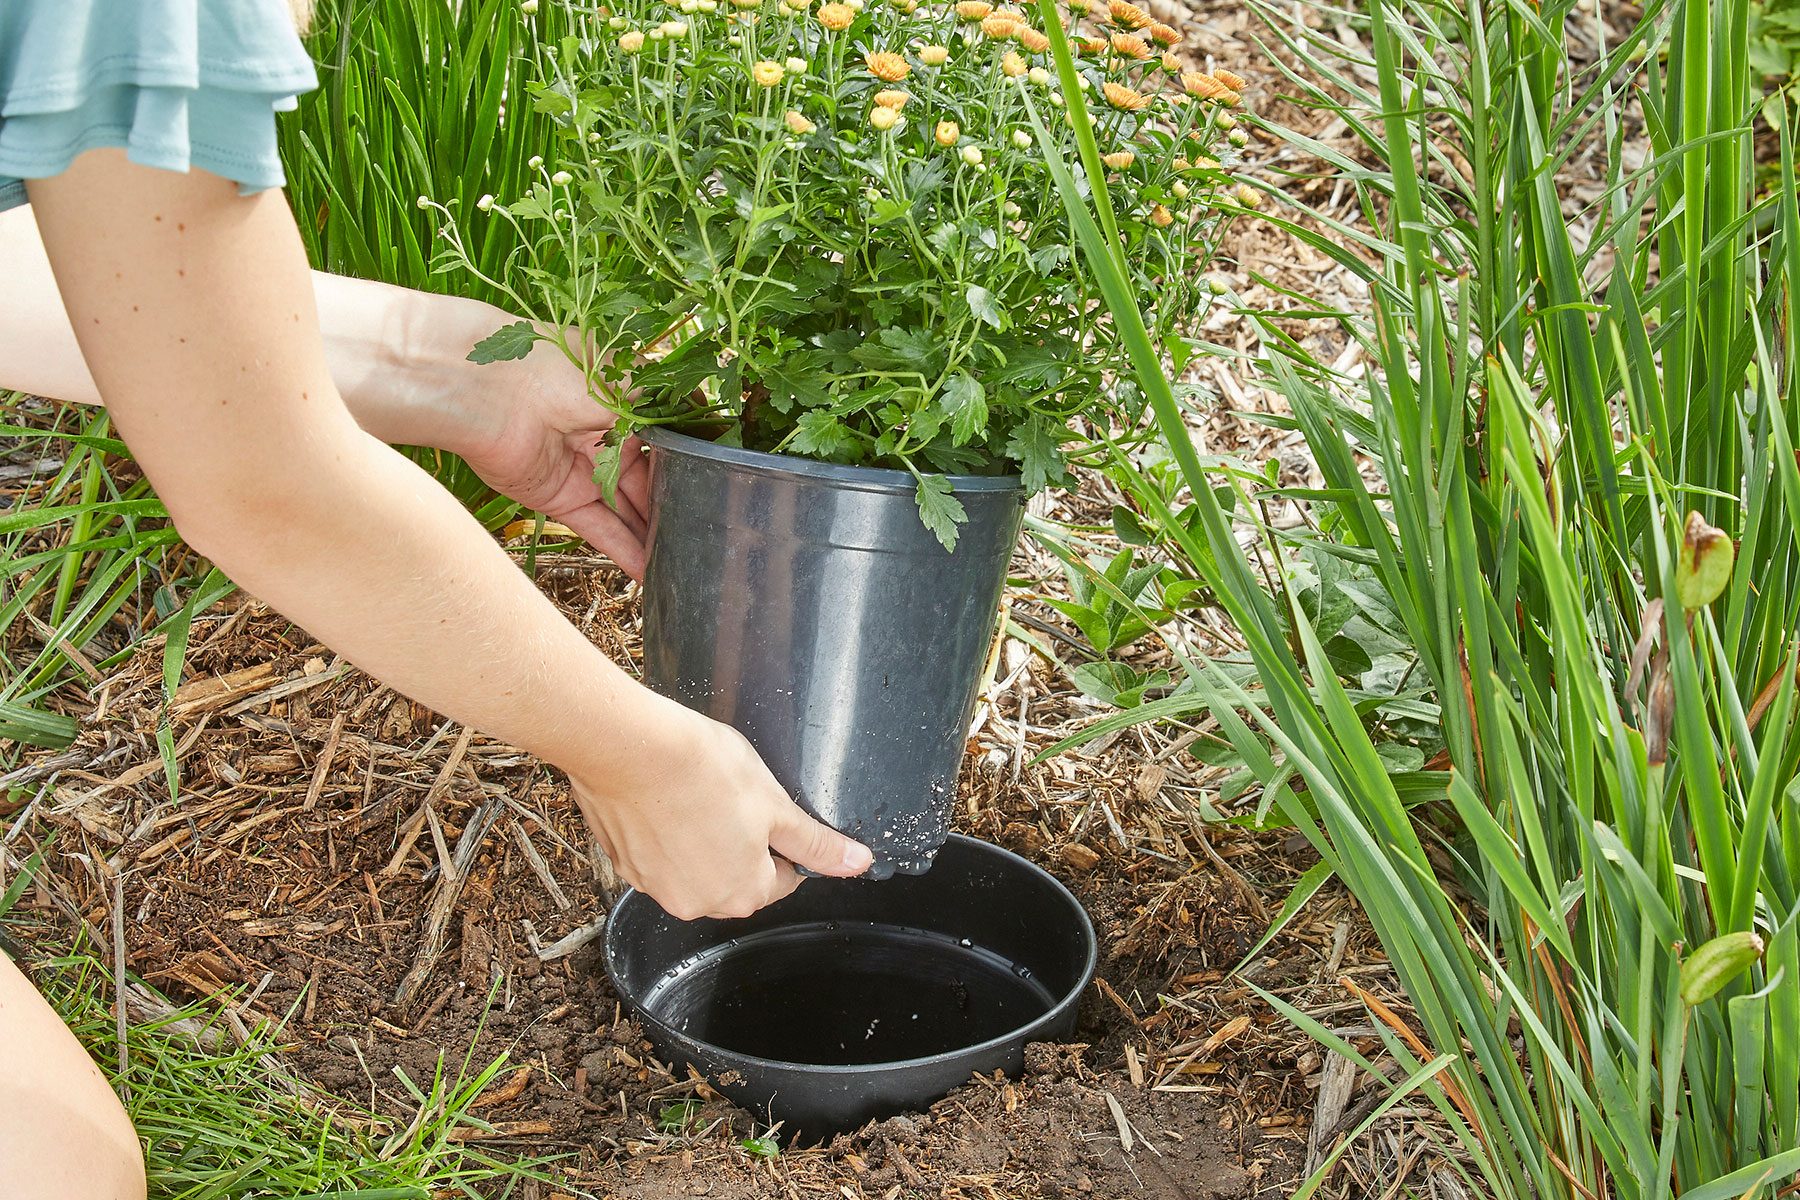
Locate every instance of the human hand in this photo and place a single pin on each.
(700, 825)
(531, 431)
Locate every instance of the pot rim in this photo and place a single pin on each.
(1068, 999)
(863, 478)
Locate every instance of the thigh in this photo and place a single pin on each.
(63, 1134)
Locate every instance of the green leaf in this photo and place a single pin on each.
(505, 344)
(941, 511)
(966, 401)
(1037, 448)
(981, 303)
(818, 434)
(35, 727)
(761, 1147)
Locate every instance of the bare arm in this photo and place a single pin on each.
(194, 310)
(399, 359)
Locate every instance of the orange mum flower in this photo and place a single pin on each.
(1202, 86)
(1230, 79)
(973, 10)
(1119, 160)
(836, 17)
(1163, 35)
(1129, 45)
(1034, 40)
(1171, 64)
(1127, 15)
(1091, 45)
(1120, 96)
(1012, 65)
(1001, 28)
(1161, 217)
(887, 66)
(892, 98)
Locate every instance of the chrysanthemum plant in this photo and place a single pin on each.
(831, 232)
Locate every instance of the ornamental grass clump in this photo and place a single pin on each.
(829, 230)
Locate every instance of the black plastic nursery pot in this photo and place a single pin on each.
(807, 605)
(854, 999)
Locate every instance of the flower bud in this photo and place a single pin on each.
(1217, 286)
(1706, 971)
(795, 66)
(528, 6)
(934, 56)
(946, 133)
(631, 42)
(486, 203)
(1238, 138)
(972, 155)
(883, 118)
(535, 161)
(1704, 567)
(560, 178)
(1021, 139)
(798, 124)
(1039, 76)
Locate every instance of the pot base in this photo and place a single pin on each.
(852, 999)
(873, 993)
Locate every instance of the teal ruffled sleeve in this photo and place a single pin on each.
(176, 83)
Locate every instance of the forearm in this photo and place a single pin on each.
(397, 356)
(194, 309)
(359, 546)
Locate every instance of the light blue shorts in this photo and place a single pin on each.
(176, 83)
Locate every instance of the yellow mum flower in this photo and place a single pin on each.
(1163, 35)
(884, 118)
(1130, 45)
(631, 42)
(797, 123)
(1013, 65)
(1034, 40)
(1122, 97)
(1230, 79)
(1230, 100)
(767, 74)
(973, 10)
(887, 66)
(1248, 196)
(934, 56)
(836, 17)
(892, 98)
(1119, 160)
(1091, 45)
(1182, 164)
(999, 28)
(1127, 15)
(1079, 7)
(946, 133)
(1161, 217)
(1202, 86)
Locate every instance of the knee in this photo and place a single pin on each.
(66, 1150)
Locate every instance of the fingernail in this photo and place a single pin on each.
(857, 858)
